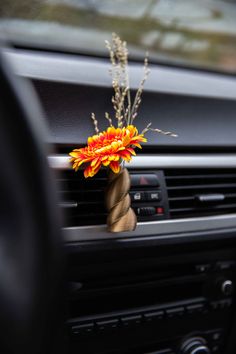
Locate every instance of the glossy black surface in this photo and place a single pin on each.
(199, 122)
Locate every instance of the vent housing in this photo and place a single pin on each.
(185, 193)
(83, 199)
(201, 192)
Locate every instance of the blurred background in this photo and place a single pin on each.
(200, 34)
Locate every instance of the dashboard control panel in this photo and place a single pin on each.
(148, 195)
(195, 319)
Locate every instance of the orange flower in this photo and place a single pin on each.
(108, 148)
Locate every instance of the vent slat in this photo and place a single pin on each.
(176, 199)
(185, 185)
(203, 186)
(76, 192)
(230, 206)
(181, 177)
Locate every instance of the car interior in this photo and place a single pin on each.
(67, 284)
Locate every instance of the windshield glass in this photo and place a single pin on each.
(198, 33)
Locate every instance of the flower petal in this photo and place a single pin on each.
(107, 148)
(115, 166)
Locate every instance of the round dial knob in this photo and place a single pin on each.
(195, 346)
(227, 287)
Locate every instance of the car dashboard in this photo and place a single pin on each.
(168, 286)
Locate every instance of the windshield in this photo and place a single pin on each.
(197, 33)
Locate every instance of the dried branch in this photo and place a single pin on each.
(95, 122)
(173, 135)
(125, 111)
(145, 130)
(107, 116)
(137, 99)
(120, 79)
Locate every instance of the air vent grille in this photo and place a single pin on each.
(202, 192)
(83, 199)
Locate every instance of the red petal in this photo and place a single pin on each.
(115, 166)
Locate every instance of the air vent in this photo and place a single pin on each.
(196, 193)
(83, 199)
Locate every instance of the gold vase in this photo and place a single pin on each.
(121, 216)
